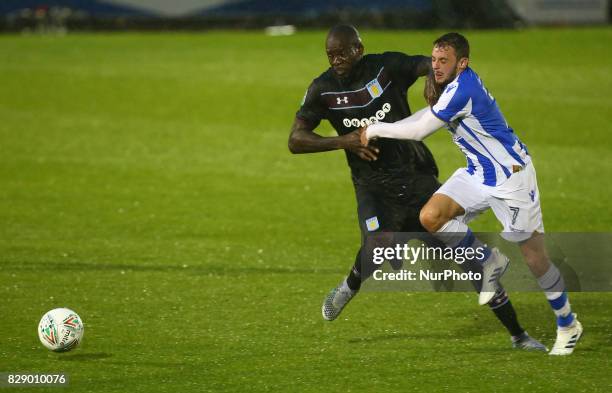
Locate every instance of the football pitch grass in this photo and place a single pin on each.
(145, 182)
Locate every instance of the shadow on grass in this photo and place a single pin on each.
(219, 270)
(93, 357)
(85, 357)
(146, 363)
(534, 315)
(401, 336)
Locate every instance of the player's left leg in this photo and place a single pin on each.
(569, 329)
(517, 207)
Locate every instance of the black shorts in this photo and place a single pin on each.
(393, 205)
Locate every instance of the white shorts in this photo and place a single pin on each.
(515, 203)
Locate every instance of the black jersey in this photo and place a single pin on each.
(375, 90)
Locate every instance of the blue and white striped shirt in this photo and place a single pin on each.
(480, 130)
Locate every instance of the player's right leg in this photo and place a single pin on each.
(340, 296)
(445, 214)
(369, 212)
(500, 305)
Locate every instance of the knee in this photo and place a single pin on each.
(432, 219)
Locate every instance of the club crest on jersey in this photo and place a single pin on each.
(374, 88)
(359, 98)
(372, 224)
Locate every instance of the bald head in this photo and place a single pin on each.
(344, 49)
(346, 34)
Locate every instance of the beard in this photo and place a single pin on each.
(448, 80)
(433, 90)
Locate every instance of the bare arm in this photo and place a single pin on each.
(416, 127)
(303, 139)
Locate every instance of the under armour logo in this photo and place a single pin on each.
(342, 100)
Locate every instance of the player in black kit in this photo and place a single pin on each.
(393, 179)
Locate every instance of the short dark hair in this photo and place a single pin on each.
(456, 41)
(348, 33)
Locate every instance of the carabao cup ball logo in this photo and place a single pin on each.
(60, 330)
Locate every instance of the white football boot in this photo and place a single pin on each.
(492, 270)
(567, 337)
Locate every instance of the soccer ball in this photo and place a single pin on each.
(60, 330)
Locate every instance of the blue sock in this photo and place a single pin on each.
(554, 288)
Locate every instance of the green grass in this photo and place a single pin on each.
(145, 182)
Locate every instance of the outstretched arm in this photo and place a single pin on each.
(416, 127)
(303, 139)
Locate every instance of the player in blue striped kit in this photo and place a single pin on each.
(499, 175)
